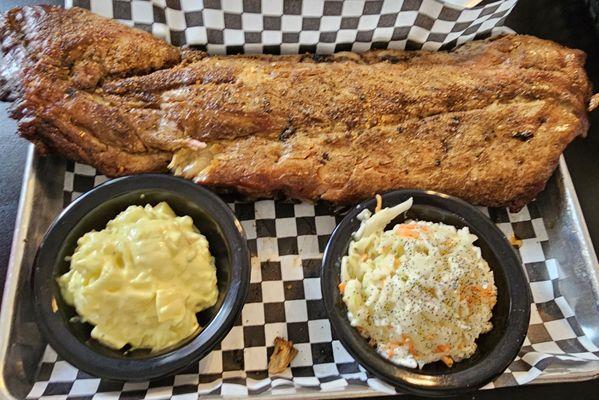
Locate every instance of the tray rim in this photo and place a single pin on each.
(590, 255)
(15, 265)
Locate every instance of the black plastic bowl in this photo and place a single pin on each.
(71, 339)
(496, 349)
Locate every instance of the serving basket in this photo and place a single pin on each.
(287, 239)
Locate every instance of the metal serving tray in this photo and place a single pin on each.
(21, 345)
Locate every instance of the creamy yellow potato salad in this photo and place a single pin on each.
(420, 291)
(142, 279)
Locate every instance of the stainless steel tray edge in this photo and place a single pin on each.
(588, 249)
(40, 201)
(579, 274)
(573, 250)
(44, 177)
(14, 266)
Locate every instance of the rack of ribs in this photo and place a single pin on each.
(486, 122)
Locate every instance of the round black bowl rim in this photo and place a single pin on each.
(404, 378)
(90, 361)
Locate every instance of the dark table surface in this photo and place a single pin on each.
(566, 21)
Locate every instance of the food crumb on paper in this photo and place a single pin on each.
(515, 241)
(282, 356)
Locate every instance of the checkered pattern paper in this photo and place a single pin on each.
(300, 26)
(287, 239)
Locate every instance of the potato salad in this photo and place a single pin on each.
(142, 279)
(420, 292)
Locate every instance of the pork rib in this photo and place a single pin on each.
(486, 122)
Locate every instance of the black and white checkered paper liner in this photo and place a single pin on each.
(300, 26)
(286, 242)
(287, 239)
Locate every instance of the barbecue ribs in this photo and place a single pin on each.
(486, 122)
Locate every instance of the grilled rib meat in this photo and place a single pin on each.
(486, 122)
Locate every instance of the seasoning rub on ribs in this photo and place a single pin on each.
(486, 122)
